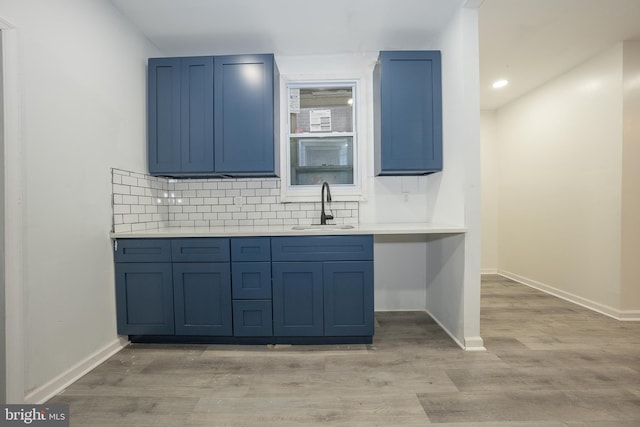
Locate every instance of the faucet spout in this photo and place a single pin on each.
(323, 216)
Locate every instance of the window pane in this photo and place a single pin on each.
(315, 160)
(322, 109)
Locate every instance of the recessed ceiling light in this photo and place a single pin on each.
(500, 83)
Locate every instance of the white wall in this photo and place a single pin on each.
(453, 262)
(560, 151)
(489, 188)
(82, 94)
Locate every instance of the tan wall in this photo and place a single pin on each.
(560, 173)
(630, 276)
(489, 186)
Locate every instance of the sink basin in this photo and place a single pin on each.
(322, 227)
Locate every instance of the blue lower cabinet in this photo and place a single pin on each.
(252, 318)
(251, 280)
(144, 299)
(202, 299)
(348, 298)
(297, 299)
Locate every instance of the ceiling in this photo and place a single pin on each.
(525, 41)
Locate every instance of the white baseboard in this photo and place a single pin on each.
(627, 315)
(50, 389)
(470, 344)
(488, 271)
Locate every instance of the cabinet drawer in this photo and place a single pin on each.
(143, 250)
(252, 318)
(200, 250)
(251, 280)
(251, 249)
(322, 248)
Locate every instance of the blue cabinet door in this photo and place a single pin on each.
(163, 110)
(408, 113)
(196, 115)
(297, 299)
(251, 280)
(202, 298)
(144, 299)
(252, 318)
(244, 114)
(348, 298)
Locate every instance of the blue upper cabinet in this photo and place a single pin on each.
(244, 114)
(163, 110)
(210, 116)
(408, 113)
(196, 112)
(180, 115)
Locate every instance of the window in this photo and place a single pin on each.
(321, 140)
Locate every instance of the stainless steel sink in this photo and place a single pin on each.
(322, 227)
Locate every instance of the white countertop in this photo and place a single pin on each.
(288, 230)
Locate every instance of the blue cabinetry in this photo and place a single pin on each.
(144, 292)
(323, 285)
(264, 289)
(244, 114)
(408, 113)
(211, 116)
(180, 115)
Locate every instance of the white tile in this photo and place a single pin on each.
(225, 215)
(254, 215)
(232, 208)
(129, 180)
(130, 219)
(175, 209)
(225, 185)
(283, 214)
(203, 208)
(254, 200)
(117, 199)
(254, 184)
(299, 214)
(137, 209)
(137, 175)
(269, 184)
(260, 222)
(121, 189)
(189, 208)
(117, 219)
(268, 200)
(262, 192)
(196, 216)
(262, 208)
(203, 223)
(210, 201)
(218, 193)
(268, 215)
(181, 186)
(225, 200)
(216, 223)
(138, 226)
(145, 218)
(245, 222)
(144, 183)
(248, 208)
(276, 222)
(351, 205)
(210, 185)
(121, 209)
(181, 217)
(152, 225)
(203, 193)
(239, 185)
(248, 193)
(218, 208)
(116, 179)
(151, 209)
(196, 201)
(189, 193)
(232, 193)
(231, 222)
(292, 206)
(138, 191)
(195, 185)
(186, 223)
(210, 216)
(290, 222)
(130, 200)
(121, 228)
(276, 207)
(239, 215)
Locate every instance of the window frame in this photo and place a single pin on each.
(311, 193)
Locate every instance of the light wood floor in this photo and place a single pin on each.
(548, 363)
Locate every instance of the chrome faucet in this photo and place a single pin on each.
(323, 216)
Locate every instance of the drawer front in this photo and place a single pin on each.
(143, 250)
(251, 280)
(322, 248)
(206, 249)
(250, 249)
(252, 318)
